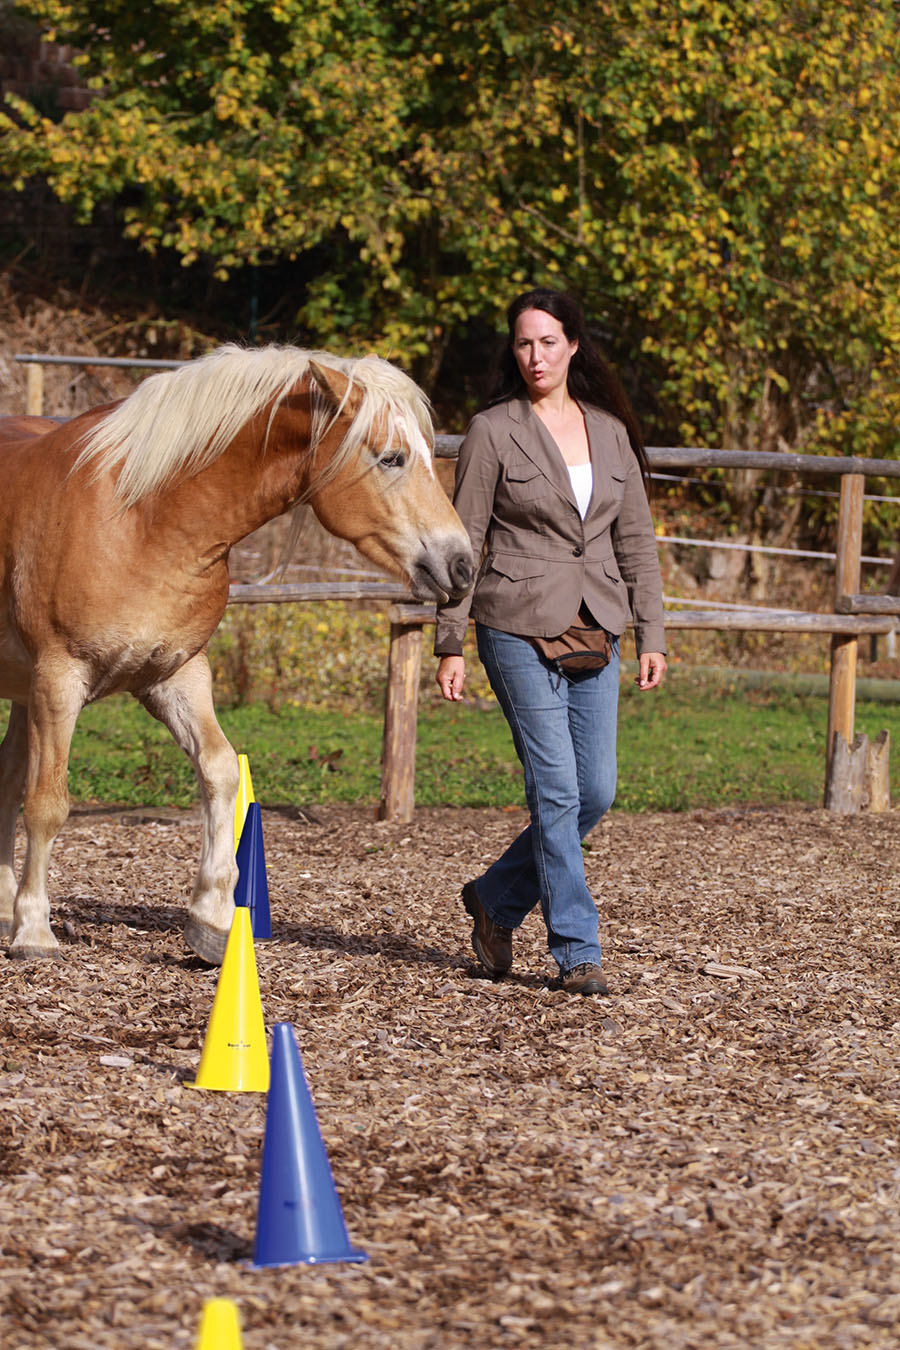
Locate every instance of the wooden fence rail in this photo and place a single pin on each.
(853, 614)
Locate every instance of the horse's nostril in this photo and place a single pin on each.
(461, 572)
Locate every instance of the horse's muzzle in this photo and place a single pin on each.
(443, 576)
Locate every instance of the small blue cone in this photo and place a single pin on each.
(300, 1217)
(252, 887)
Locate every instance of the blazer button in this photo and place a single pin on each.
(577, 552)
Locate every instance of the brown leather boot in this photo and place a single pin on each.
(491, 943)
(583, 979)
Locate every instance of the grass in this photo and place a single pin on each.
(697, 743)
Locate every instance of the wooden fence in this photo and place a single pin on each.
(852, 771)
(855, 774)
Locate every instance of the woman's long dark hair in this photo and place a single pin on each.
(590, 380)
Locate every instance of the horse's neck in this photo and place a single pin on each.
(251, 483)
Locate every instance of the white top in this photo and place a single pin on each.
(582, 485)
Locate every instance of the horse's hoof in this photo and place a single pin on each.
(207, 943)
(25, 953)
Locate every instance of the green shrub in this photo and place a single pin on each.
(332, 654)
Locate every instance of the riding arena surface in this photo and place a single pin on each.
(707, 1157)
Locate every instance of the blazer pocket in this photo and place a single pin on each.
(517, 566)
(611, 570)
(523, 480)
(618, 485)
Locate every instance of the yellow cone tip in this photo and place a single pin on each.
(220, 1327)
(244, 798)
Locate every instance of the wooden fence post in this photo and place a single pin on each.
(878, 776)
(34, 390)
(398, 764)
(860, 775)
(844, 647)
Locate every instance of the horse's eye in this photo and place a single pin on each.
(393, 459)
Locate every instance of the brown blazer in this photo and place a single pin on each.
(539, 559)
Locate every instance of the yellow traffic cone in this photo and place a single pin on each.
(220, 1326)
(235, 1058)
(244, 798)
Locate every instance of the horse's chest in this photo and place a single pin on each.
(130, 667)
(145, 636)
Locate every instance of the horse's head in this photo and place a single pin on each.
(374, 481)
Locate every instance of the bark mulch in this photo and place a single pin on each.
(708, 1157)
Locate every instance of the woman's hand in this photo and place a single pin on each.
(652, 669)
(451, 676)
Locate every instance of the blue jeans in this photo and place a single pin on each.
(565, 735)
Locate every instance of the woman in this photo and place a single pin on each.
(551, 485)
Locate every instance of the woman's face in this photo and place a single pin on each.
(542, 352)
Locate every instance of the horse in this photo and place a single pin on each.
(115, 532)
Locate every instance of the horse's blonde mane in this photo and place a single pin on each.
(183, 420)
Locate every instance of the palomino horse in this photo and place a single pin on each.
(115, 531)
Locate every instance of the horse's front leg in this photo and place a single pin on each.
(184, 704)
(13, 764)
(53, 707)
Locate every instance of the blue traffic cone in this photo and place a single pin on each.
(300, 1217)
(252, 887)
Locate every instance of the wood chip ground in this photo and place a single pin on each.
(709, 1157)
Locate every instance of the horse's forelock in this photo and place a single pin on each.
(391, 397)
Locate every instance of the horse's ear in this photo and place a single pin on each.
(333, 384)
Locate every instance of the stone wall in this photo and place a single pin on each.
(41, 71)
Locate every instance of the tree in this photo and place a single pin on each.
(736, 186)
(256, 130)
(716, 180)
